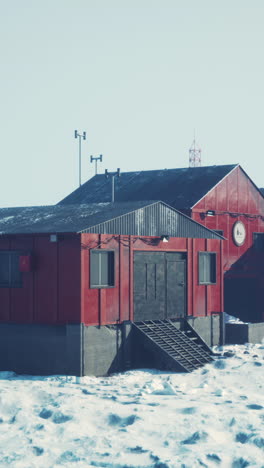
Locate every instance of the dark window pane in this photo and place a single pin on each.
(104, 274)
(201, 268)
(207, 268)
(94, 269)
(4, 269)
(212, 273)
(111, 268)
(10, 276)
(101, 269)
(14, 267)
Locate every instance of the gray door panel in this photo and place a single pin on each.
(159, 285)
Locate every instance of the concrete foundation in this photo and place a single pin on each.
(210, 328)
(80, 350)
(240, 333)
(102, 350)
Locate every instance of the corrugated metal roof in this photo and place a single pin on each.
(57, 218)
(180, 188)
(130, 218)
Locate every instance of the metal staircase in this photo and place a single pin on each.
(177, 350)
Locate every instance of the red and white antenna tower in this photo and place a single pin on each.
(195, 158)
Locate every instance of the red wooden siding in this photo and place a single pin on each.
(57, 289)
(234, 194)
(113, 305)
(50, 292)
(236, 198)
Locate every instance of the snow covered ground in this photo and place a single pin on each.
(213, 417)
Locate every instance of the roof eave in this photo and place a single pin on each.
(220, 181)
(218, 236)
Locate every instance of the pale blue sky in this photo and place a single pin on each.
(138, 76)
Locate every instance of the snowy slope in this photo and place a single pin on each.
(213, 417)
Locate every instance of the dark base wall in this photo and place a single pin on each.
(65, 349)
(244, 333)
(40, 349)
(81, 350)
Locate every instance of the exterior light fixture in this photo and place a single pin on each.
(210, 213)
(165, 238)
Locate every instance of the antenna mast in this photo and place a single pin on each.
(96, 159)
(195, 159)
(83, 136)
(113, 175)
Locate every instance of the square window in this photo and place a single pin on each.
(10, 276)
(102, 269)
(207, 268)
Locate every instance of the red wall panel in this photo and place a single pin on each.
(57, 290)
(190, 276)
(69, 279)
(45, 280)
(89, 297)
(112, 305)
(232, 191)
(51, 291)
(5, 292)
(100, 305)
(242, 193)
(124, 275)
(21, 299)
(199, 291)
(237, 198)
(235, 194)
(112, 299)
(221, 195)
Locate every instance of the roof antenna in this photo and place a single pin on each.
(96, 159)
(83, 136)
(113, 174)
(195, 159)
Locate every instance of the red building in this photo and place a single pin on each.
(235, 208)
(223, 198)
(74, 279)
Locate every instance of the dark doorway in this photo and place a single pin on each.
(159, 285)
(241, 298)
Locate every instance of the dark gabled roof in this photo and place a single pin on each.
(180, 188)
(61, 218)
(128, 218)
(261, 190)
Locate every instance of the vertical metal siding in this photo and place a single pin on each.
(153, 220)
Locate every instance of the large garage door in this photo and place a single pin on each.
(159, 285)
